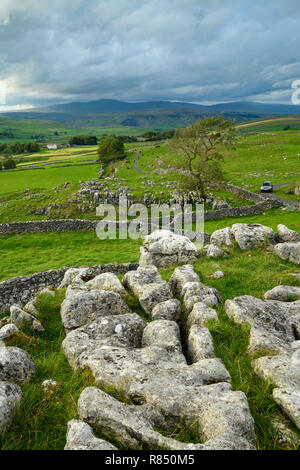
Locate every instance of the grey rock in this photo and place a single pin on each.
(83, 306)
(199, 344)
(168, 310)
(83, 273)
(117, 331)
(195, 292)
(8, 331)
(80, 436)
(223, 237)
(180, 277)
(164, 248)
(10, 398)
(217, 275)
(282, 370)
(284, 235)
(213, 251)
(200, 314)
(16, 365)
(270, 315)
(162, 333)
(109, 282)
(283, 293)
(148, 286)
(288, 251)
(24, 320)
(251, 236)
(30, 306)
(289, 400)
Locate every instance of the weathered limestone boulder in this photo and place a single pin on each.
(284, 235)
(10, 398)
(200, 314)
(289, 400)
(270, 315)
(281, 370)
(85, 274)
(288, 251)
(180, 277)
(107, 281)
(168, 310)
(213, 251)
(129, 424)
(148, 286)
(80, 436)
(194, 292)
(24, 320)
(118, 331)
(223, 237)
(283, 293)
(228, 425)
(252, 236)
(199, 344)
(164, 248)
(16, 365)
(85, 305)
(162, 333)
(7, 331)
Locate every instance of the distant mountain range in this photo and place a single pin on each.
(155, 114)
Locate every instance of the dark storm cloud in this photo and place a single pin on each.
(194, 50)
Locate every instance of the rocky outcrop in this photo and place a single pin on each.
(163, 248)
(147, 363)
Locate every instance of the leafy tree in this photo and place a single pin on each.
(83, 140)
(110, 148)
(9, 164)
(200, 146)
(0, 166)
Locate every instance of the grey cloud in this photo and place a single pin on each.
(156, 49)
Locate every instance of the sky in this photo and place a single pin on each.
(203, 51)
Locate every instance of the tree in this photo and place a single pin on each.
(110, 148)
(9, 164)
(200, 147)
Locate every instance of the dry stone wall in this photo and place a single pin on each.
(20, 290)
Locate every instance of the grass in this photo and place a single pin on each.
(43, 251)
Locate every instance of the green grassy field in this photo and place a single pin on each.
(42, 251)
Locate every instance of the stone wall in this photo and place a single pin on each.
(19, 290)
(242, 211)
(244, 193)
(38, 226)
